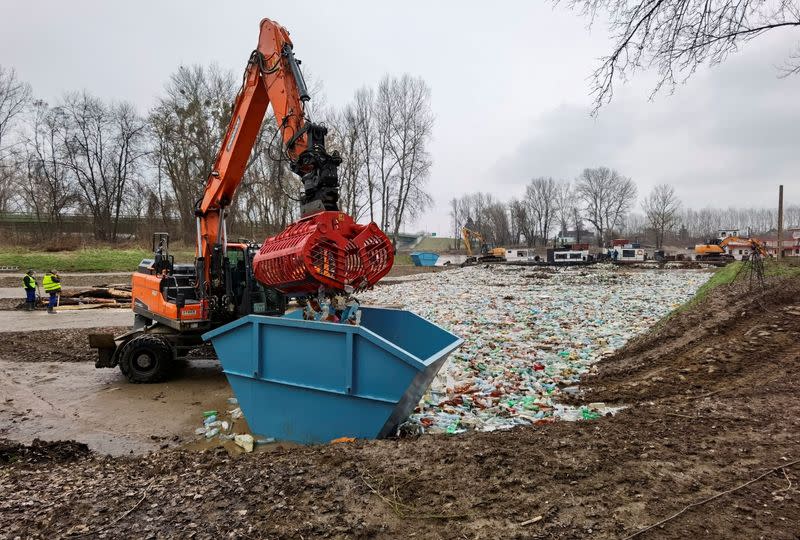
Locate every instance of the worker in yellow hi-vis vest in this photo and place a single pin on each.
(52, 285)
(29, 283)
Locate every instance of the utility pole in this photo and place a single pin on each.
(780, 222)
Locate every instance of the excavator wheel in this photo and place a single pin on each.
(145, 359)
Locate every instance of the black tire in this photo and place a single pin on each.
(145, 359)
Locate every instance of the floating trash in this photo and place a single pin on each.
(530, 334)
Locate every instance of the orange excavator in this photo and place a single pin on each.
(324, 254)
(718, 250)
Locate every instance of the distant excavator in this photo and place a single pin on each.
(487, 252)
(718, 250)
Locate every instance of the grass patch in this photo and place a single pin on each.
(82, 260)
(403, 259)
(789, 267)
(723, 276)
(728, 274)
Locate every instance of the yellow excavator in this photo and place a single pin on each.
(488, 253)
(716, 250)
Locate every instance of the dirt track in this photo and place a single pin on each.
(24, 321)
(11, 282)
(710, 408)
(72, 279)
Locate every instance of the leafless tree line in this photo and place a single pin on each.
(87, 156)
(384, 135)
(597, 207)
(549, 208)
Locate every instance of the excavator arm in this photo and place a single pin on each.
(330, 250)
(469, 235)
(272, 76)
(465, 235)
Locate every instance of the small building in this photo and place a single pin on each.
(739, 250)
(522, 254)
(790, 245)
(623, 250)
(569, 254)
(517, 254)
(572, 237)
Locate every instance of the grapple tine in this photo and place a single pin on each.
(326, 249)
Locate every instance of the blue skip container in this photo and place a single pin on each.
(312, 382)
(424, 258)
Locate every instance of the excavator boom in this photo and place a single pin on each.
(273, 76)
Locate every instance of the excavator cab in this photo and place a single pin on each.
(162, 260)
(248, 295)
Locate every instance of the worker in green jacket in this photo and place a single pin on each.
(52, 285)
(29, 283)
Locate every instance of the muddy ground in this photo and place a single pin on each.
(712, 404)
(63, 345)
(50, 389)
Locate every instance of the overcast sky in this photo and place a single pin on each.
(510, 87)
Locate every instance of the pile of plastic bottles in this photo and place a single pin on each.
(529, 333)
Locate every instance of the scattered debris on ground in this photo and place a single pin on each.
(714, 444)
(41, 452)
(706, 447)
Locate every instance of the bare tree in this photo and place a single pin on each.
(188, 124)
(634, 225)
(384, 112)
(103, 148)
(354, 197)
(269, 193)
(14, 96)
(47, 188)
(607, 196)
(541, 196)
(577, 222)
(662, 209)
(565, 206)
(454, 220)
(677, 36)
(364, 113)
(409, 137)
(517, 216)
(791, 215)
(498, 228)
(523, 224)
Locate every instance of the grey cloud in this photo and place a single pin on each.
(727, 137)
